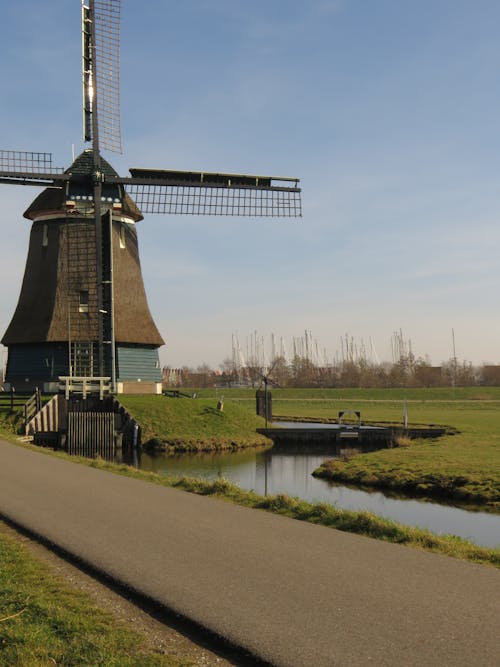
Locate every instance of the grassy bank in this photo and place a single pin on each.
(464, 467)
(439, 470)
(196, 424)
(44, 622)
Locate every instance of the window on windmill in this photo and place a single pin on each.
(122, 237)
(45, 236)
(83, 304)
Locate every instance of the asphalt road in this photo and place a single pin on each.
(291, 593)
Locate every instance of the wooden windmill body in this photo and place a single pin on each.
(82, 310)
(55, 329)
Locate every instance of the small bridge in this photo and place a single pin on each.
(368, 436)
(302, 433)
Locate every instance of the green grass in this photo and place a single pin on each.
(398, 394)
(196, 424)
(464, 467)
(44, 622)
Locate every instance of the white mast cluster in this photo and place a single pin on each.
(257, 354)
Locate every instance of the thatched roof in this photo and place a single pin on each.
(48, 306)
(61, 264)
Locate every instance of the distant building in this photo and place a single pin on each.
(490, 376)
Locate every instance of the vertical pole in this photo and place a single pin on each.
(265, 473)
(70, 350)
(112, 306)
(454, 379)
(98, 244)
(87, 73)
(265, 402)
(97, 188)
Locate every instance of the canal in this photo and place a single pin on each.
(287, 470)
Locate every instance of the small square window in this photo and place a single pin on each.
(83, 305)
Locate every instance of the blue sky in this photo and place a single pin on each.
(388, 111)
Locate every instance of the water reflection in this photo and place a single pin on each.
(279, 470)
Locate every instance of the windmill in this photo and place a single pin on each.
(82, 309)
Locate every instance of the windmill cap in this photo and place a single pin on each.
(53, 200)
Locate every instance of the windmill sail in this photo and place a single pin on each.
(28, 168)
(101, 73)
(201, 193)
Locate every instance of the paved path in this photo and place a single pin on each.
(292, 593)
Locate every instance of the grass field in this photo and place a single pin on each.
(464, 467)
(44, 622)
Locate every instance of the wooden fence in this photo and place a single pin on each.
(91, 434)
(12, 400)
(32, 406)
(84, 426)
(40, 420)
(85, 386)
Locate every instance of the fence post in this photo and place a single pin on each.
(12, 399)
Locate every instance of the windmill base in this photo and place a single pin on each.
(31, 366)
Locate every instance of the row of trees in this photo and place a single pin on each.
(302, 372)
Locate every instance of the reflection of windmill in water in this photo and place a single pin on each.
(82, 310)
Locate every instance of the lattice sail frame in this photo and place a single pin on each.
(27, 162)
(205, 193)
(212, 200)
(101, 18)
(107, 36)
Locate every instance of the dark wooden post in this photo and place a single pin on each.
(264, 404)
